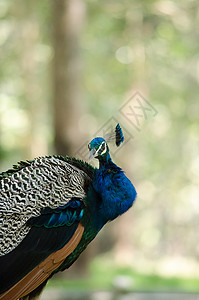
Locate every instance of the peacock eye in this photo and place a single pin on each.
(89, 147)
(103, 146)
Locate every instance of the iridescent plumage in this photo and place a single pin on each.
(50, 210)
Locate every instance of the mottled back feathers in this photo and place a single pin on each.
(32, 186)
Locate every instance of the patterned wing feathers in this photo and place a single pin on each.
(44, 182)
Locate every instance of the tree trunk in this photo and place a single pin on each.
(68, 21)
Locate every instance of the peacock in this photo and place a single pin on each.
(51, 208)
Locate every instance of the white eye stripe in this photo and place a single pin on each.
(104, 151)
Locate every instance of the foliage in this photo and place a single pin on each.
(149, 46)
(103, 278)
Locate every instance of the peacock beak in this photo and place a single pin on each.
(92, 153)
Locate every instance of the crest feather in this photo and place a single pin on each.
(115, 136)
(119, 137)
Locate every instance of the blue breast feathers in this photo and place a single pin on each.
(116, 190)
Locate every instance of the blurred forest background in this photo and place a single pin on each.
(70, 66)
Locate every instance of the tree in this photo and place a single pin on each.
(68, 17)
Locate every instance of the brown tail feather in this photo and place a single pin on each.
(41, 272)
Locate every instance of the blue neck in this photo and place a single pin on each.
(113, 192)
(105, 162)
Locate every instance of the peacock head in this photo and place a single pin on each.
(98, 148)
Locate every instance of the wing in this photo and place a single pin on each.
(42, 271)
(52, 237)
(44, 182)
(41, 206)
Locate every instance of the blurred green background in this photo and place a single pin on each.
(70, 66)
